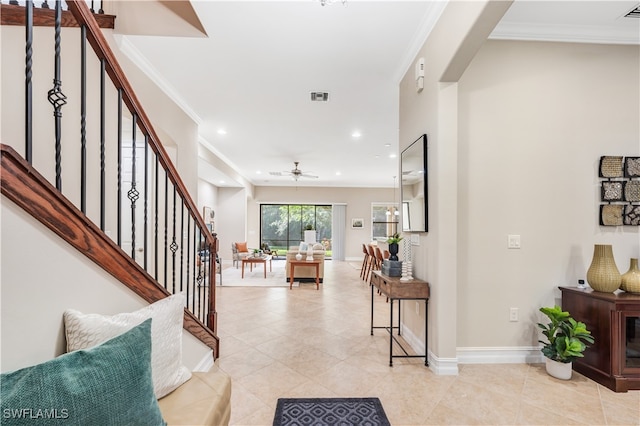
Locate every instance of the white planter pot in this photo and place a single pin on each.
(559, 370)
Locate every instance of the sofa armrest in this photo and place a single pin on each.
(205, 399)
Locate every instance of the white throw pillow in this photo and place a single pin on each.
(84, 331)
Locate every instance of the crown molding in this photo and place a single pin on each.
(564, 33)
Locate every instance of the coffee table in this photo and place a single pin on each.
(261, 259)
(293, 263)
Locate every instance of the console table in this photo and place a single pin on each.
(398, 290)
(614, 322)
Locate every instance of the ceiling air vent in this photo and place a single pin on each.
(635, 13)
(319, 96)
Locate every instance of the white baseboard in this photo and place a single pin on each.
(440, 366)
(205, 363)
(474, 355)
(500, 355)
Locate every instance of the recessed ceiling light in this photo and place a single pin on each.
(338, 173)
(356, 134)
(392, 155)
(222, 132)
(387, 145)
(258, 172)
(222, 181)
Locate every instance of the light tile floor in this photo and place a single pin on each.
(277, 342)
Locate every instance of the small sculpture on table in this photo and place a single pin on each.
(407, 273)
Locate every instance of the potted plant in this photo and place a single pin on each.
(393, 241)
(566, 340)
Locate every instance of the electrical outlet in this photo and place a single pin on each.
(417, 308)
(513, 314)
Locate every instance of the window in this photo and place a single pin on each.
(283, 225)
(384, 220)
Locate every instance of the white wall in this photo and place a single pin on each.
(231, 220)
(41, 276)
(514, 141)
(207, 196)
(451, 45)
(535, 119)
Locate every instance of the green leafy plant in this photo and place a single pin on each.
(308, 227)
(567, 338)
(394, 239)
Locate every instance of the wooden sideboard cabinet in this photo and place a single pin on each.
(614, 321)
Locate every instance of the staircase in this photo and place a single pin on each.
(97, 174)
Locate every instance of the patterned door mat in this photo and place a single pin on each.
(329, 411)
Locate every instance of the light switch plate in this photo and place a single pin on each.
(513, 241)
(415, 239)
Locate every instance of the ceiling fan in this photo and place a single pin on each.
(295, 173)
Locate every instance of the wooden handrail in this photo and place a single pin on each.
(11, 14)
(83, 15)
(23, 185)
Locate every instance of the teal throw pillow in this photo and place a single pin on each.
(109, 384)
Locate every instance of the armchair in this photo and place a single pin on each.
(239, 251)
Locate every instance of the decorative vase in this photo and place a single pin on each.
(310, 253)
(603, 274)
(631, 278)
(298, 256)
(393, 250)
(559, 370)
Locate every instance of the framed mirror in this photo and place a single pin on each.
(413, 186)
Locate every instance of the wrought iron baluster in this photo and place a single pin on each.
(200, 271)
(91, 8)
(174, 245)
(133, 193)
(119, 202)
(205, 282)
(28, 86)
(101, 10)
(155, 232)
(212, 264)
(56, 97)
(196, 272)
(103, 73)
(181, 245)
(188, 243)
(166, 227)
(146, 200)
(83, 119)
(45, 5)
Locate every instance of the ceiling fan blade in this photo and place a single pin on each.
(275, 173)
(308, 176)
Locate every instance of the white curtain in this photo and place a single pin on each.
(338, 228)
